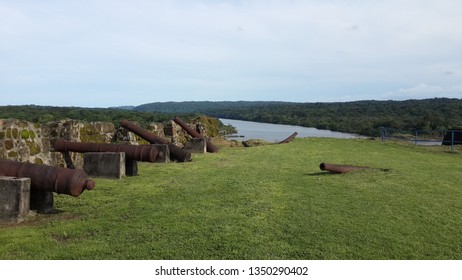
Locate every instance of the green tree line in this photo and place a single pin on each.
(44, 114)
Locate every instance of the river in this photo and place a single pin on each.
(277, 132)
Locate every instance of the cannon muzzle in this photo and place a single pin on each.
(49, 178)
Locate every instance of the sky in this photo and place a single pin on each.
(103, 53)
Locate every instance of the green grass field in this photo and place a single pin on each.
(267, 202)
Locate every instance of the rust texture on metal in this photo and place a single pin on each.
(176, 153)
(339, 168)
(288, 139)
(49, 178)
(132, 152)
(179, 154)
(146, 135)
(210, 147)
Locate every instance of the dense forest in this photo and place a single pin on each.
(201, 106)
(44, 114)
(361, 117)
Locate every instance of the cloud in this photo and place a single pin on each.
(258, 50)
(354, 28)
(423, 91)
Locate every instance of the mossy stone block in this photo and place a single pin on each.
(8, 144)
(25, 134)
(15, 133)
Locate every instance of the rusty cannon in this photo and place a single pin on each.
(176, 153)
(49, 178)
(339, 168)
(288, 139)
(210, 147)
(132, 152)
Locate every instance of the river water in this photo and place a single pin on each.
(278, 132)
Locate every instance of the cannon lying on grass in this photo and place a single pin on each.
(210, 147)
(288, 139)
(132, 152)
(338, 168)
(176, 153)
(49, 178)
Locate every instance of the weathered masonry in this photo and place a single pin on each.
(31, 142)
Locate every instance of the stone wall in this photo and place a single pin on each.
(178, 136)
(30, 142)
(124, 136)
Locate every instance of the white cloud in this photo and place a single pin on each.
(423, 91)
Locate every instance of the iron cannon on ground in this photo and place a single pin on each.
(288, 139)
(49, 178)
(339, 168)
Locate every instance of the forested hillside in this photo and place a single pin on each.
(201, 106)
(362, 117)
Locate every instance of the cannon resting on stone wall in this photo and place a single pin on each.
(176, 153)
(210, 147)
(132, 152)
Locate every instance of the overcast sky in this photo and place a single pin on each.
(101, 53)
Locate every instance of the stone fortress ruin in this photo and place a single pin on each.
(32, 164)
(31, 142)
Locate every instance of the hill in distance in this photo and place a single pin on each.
(201, 106)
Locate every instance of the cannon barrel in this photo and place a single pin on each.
(49, 178)
(339, 168)
(288, 139)
(210, 147)
(132, 152)
(175, 152)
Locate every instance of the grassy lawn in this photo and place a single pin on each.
(267, 202)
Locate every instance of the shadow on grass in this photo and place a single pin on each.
(318, 174)
(329, 173)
